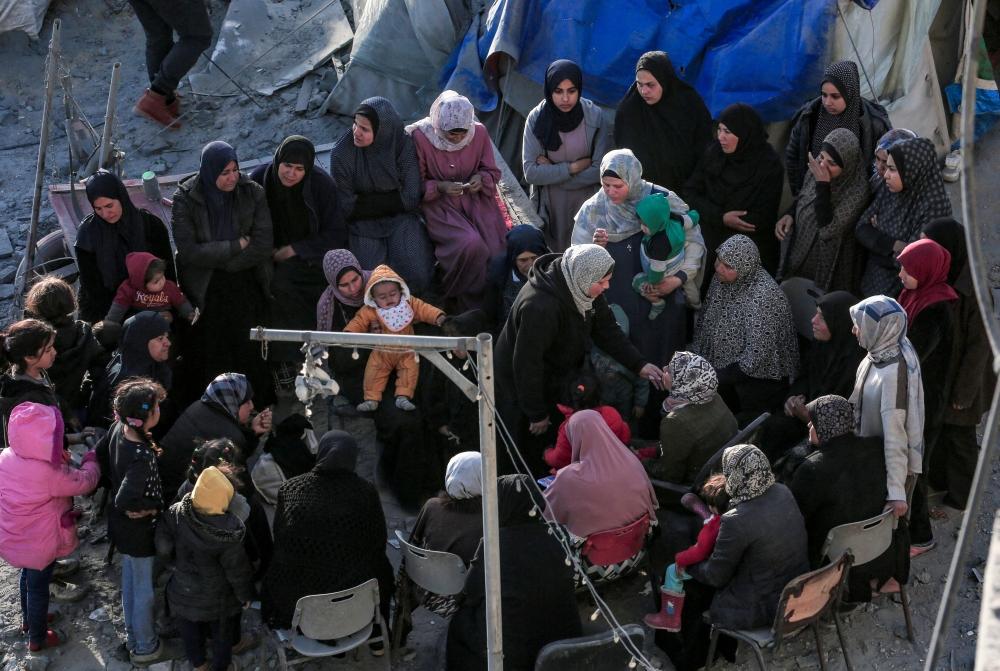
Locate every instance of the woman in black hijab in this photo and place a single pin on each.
(114, 229)
(827, 367)
(664, 121)
(538, 600)
(736, 188)
(508, 274)
(329, 535)
(222, 228)
(565, 139)
(307, 223)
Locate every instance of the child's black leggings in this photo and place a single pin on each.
(194, 634)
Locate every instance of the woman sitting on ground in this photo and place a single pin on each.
(827, 367)
(286, 454)
(459, 204)
(822, 246)
(538, 600)
(697, 422)
(329, 535)
(565, 139)
(343, 297)
(105, 237)
(746, 332)
(604, 488)
(841, 482)
(508, 274)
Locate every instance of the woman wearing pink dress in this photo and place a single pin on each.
(459, 203)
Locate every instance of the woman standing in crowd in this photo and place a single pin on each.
(736, 187)
(879, 164)
(839, 105)
(822, 246)
(953, 462)
(697, 422)
(375, 167)
(222, 228)
(508, 273)
(105, 237)
(538, 603)
(913, 197)
(460, 179)
(664, 121)
(555, 318)
(565, 140)
(827, 367)
(603, 488)
(928, 300)
(307, 223)
(746, 332)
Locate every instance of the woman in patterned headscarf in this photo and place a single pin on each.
(822, 246)
(374, 165)
(459, 202)
(840, 105)
(746, 331)
(913, 196)
(697, 421)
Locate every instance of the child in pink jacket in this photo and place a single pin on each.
(37, 520)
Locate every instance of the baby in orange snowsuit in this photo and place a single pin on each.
(389, 308)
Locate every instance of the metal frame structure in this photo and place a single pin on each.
(430, 347)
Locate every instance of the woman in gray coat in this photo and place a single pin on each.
(222, 229)
(564, 142)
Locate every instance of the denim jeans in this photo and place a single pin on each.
(35, 601)
(139, 604)
(167, 61)
(194, 634)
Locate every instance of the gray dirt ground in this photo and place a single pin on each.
(96, 33)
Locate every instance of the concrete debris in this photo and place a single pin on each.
(924, 577)
(155, 146)
(6, 249)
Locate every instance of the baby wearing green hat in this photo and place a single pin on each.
(662, 249)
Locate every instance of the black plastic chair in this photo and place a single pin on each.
(599, 652)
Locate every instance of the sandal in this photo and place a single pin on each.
(945, 513)
(920, 548)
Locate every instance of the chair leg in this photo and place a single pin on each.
(906, 611)
(711, 649)
(819, 646)
(840, 635)
(282, 660)
(760, 657)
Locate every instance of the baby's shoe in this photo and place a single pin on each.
(404, 403)
(367, 406)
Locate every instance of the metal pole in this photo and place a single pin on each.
(36, 201)
(109, 115)
(491, 524)
(363, 339)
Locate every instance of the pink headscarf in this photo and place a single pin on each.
(335, 261)
(605, 487)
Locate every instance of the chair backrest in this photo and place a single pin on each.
(801, 294)
(438, 572)
(747, 435)
(866, 540)
(590, 653)
(616, 545)
(808, 597)
(337, 615)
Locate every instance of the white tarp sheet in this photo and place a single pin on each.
(26, 15)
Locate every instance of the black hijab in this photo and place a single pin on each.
(951, 235)
(288, 449)
(214, 159)
(338, 450)
(111, 242)
(732, 180)
(520, 239)
(833, 363)
(514, 501)
(665, 136)
(132, 359)
(289, 213)
(370, 113)
(551, 120)
(844, 76)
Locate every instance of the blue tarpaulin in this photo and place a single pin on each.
(768, 53)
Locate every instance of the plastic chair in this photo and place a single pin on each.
(437, 572)
(608, 548)
(802, 294)
(867, 540)
(348, 617)
(590, 653)
(803, 602)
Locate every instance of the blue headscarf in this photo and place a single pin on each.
(214, 159)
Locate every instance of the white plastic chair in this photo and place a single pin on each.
(348, 617)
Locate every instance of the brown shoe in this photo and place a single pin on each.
(152, 106)
(174, 108)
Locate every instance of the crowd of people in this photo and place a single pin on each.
(636, 332)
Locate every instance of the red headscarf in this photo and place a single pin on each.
(928, 263)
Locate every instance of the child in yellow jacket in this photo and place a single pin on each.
(389, 308)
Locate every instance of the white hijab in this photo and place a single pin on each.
(464, 477)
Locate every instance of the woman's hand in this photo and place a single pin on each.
(261, 424)
(795, 407)
(168, 315)
(898, 246)
(453, 189)
(733, 221)
(898, 508)
(819, 170)
(956, 406)
(666, 286)
(659, 377)
(579, 165)
(244, 242)
(542, 160)
(475, 183)
(139, 515)
(283, 254)
(601, 237)
(638, 411)
(538, 428)
(783, 226)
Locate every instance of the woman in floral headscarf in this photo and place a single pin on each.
(344, 296)
(459, 202)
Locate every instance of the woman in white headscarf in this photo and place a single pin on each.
(459, 198)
